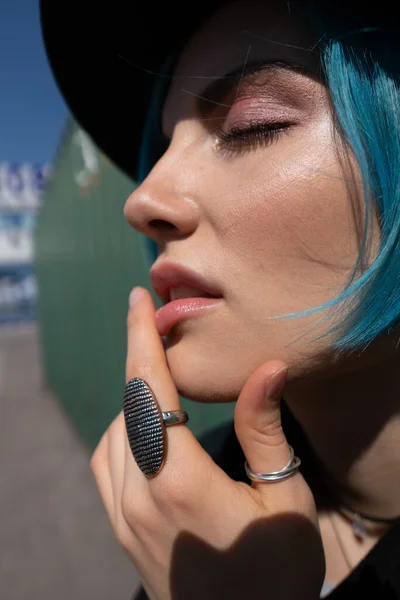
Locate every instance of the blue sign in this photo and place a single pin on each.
(21, 191)
(18, 294)
(22, 185)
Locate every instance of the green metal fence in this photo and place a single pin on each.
(87, 261)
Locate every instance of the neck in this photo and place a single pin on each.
(352, 422)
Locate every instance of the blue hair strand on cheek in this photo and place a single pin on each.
(361, 69)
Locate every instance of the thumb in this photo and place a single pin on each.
(257, 420)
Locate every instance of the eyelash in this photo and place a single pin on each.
(256, 135)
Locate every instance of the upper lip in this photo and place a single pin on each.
(167, 275)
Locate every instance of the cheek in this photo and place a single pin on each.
(292, 208)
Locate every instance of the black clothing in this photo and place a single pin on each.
(377, 576)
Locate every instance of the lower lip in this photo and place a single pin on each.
(178, 310)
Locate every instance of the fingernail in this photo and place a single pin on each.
(135, 295)
(276, 383)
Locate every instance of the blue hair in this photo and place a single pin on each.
(361, 73)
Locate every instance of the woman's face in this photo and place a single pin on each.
(269, 218)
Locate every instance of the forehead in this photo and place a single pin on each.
(241, 32)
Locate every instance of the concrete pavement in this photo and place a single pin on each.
(56, 539)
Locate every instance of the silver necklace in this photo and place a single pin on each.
(359, 521)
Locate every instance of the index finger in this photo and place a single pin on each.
(145, 353)
(146, 360)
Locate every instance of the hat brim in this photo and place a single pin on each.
(105, 58)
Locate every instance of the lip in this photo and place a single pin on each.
(168, 275)
(179, 310)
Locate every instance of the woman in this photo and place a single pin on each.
(269, 168)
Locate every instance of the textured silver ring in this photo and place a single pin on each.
(145, 425)
(287, 471)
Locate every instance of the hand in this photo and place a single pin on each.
(191, 531)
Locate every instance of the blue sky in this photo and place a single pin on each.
(32, 111)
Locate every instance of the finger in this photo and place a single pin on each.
(258, 424)
(146, 355)
(125, 497)
(116, 461)
(99, 464)
(146, 359)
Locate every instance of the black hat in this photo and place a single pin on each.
(106, 57)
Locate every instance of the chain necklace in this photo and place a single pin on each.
(359, 522)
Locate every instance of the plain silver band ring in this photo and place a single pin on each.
(287, 471)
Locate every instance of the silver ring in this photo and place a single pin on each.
(287, 471)
(145, 425)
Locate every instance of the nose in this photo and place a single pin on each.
(163, 207)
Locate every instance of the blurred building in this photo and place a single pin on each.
(21, 191)
(87, 261)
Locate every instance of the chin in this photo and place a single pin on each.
(200, 375)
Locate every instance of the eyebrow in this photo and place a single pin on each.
(214, 93)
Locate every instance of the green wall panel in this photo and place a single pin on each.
(87, 260)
